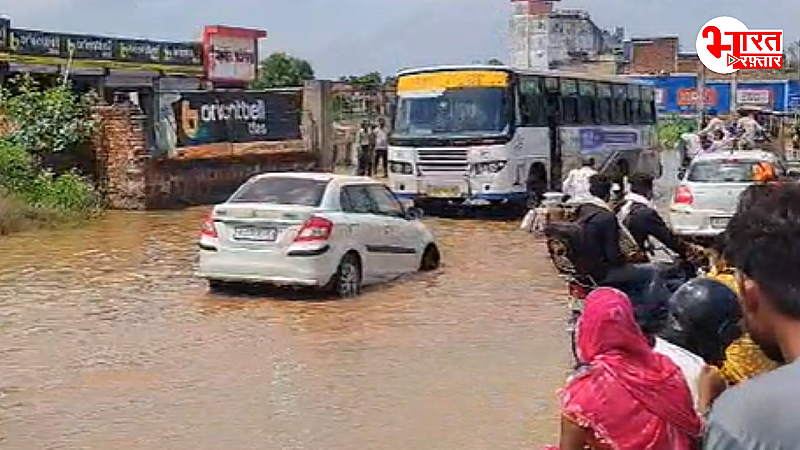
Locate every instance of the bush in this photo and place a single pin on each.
(671, 128)
(39, 124)
(31, 196)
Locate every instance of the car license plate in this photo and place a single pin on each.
(255, 234)
(444, 192)
(720, 222)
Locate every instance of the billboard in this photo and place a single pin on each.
(44, 44)
(231, 54)
(188, 120)
(678, 94)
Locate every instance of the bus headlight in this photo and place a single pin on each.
(488, 167)
(403, 168)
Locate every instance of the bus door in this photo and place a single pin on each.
(553, 105)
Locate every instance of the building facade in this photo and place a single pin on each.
(543, 37)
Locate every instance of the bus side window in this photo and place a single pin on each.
(569, 102)
(619, 111)
(648, 105)
(532, 103)
(635, 104)
(603, 104)
(586, 102)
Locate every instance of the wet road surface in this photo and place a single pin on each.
(110, 343)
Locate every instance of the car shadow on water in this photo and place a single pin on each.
(244, 294)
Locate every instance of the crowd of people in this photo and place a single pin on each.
(739, 133)
(709, 364)
(372, 148)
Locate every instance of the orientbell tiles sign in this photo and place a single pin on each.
(44, 46)
(231, 54)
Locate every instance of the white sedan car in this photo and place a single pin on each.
(313, 229)
(708, 191)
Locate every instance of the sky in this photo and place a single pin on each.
(351, 37)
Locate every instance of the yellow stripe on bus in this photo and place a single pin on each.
(452, 80)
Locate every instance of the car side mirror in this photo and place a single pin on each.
(414, 213)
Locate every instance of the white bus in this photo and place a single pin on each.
(482, 135)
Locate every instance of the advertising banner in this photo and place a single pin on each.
(207, 118)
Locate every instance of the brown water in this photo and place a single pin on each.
(108, 342)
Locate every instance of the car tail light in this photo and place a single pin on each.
(683, 196)
(209, 230)
(316, 229)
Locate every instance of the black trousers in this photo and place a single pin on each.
(365, 160)
(382, 160)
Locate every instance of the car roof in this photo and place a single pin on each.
(319, 176)
(738, 154)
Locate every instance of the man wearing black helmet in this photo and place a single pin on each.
(763, 246)
(704, 321)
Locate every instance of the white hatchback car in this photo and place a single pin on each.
(320, 230)
(708, 192)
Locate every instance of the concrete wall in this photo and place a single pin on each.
(130, 178)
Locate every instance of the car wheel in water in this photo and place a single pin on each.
(346, 282)
(431, 259)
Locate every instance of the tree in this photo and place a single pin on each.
(45, 120)
(369, 80)
(495, 62)
(280, 70)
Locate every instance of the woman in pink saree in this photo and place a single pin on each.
(624, 396)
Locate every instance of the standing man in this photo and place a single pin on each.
(382, 147)
(577, 183)
(363, 139)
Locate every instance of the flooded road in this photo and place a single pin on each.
(110, 343)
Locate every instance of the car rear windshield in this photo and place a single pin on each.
(281, 191)
(723, 171)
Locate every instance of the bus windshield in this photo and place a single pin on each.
(453, 113)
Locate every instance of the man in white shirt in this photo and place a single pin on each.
(714, 124)
(577, 183)
(690, 364)
(750, 128)
(704, 321)
(381, 147)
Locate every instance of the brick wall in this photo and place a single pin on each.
(130, 179)
(688, 63)
(120, 152)
(654, 56)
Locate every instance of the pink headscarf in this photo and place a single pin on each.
(630, 397)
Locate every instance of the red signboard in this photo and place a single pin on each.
(230, 54)
(688, 97)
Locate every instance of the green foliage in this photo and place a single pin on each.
(39, 122)
(280, 70)
(495, 62)
(671, 128)
(45, 120)
(21, 177)
(368, 81)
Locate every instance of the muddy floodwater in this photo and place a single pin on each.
(108, 342)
